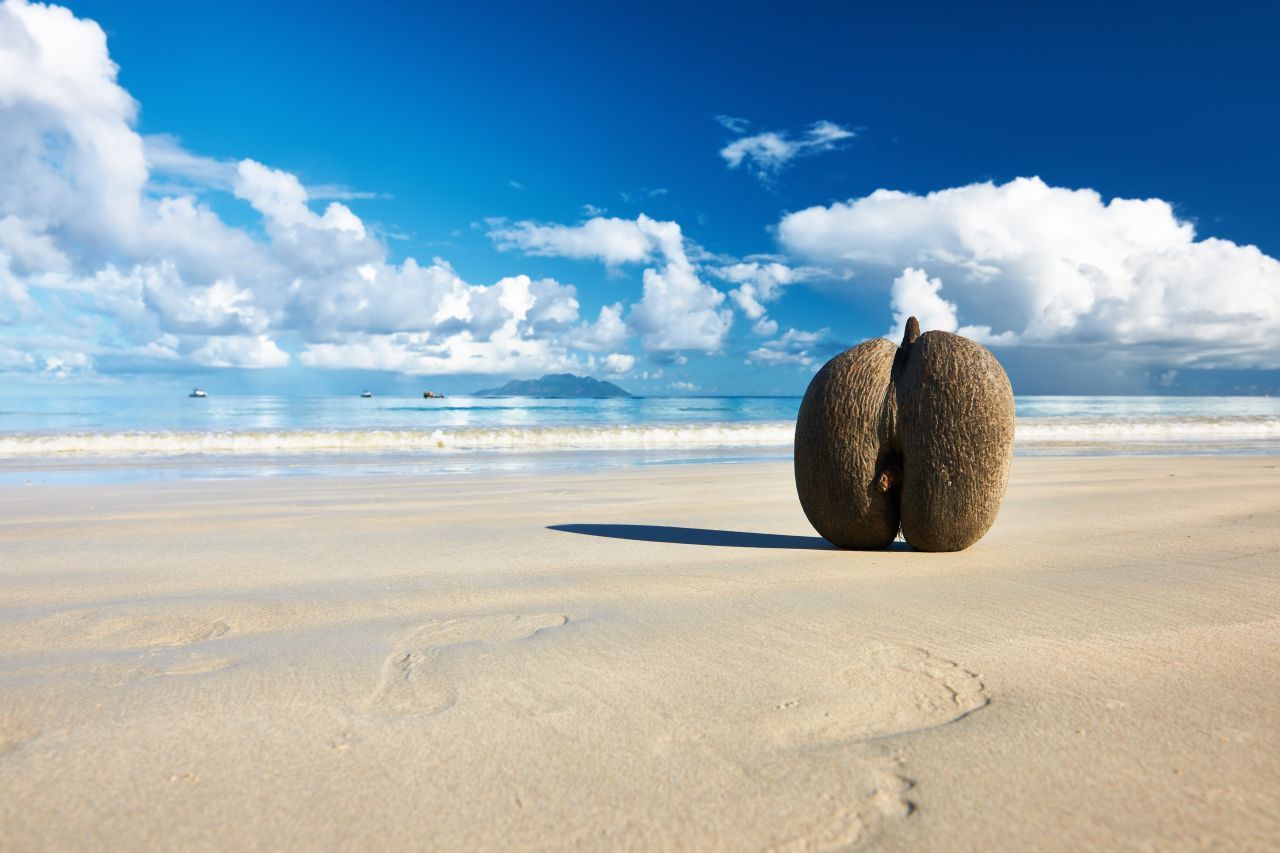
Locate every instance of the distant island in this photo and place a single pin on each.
(556, 385)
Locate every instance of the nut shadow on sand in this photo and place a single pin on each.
(706, 536)
(697, 536)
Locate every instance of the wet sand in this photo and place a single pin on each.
(645, 658)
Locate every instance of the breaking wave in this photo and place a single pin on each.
(1183, 430)
(528, 439)
(1032, 433)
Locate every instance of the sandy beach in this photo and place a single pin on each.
(643, 659)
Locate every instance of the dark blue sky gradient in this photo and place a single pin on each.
(442, 105)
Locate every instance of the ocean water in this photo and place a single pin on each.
(87, 439)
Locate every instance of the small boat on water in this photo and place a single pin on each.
(366, 394)
(432, 395)
(198, 392)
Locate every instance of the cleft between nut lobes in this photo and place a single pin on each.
(889, 460)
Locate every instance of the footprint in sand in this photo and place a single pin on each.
(877, 693)
(193, 664)
(129, 628)
(885, 691)
(416, 678)
(837, 826)
(158, 663)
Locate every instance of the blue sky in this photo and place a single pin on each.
(743, 190)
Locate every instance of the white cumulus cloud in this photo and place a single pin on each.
(1028, 263)
(915, 294)
(608, 332)
(618, 363)
(794, 347)
(113, 227)
(760, 282)
(458, 353)
(281, 198)
(167, 157)
(241, 351)
(608, 239)
(766, 154)
(677, 310)
(69, 159)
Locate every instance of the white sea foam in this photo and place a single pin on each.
(1032, 432)
(530, 439)
(1148, 430)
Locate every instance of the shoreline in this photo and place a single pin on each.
(122, 470)
(80, 439)
(638, 657)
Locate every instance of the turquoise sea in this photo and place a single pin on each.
(85, 439)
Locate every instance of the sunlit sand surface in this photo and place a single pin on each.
(662, 658)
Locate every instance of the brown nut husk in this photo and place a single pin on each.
(917, 437)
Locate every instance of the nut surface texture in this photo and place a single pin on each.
(917, 437)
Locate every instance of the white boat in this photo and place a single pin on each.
(198, 392)
(366, 394)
